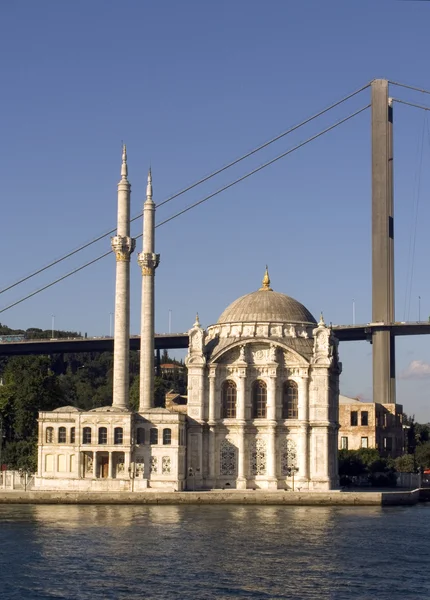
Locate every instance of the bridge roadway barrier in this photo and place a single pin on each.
(249, 497)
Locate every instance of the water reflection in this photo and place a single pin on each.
(212, 552)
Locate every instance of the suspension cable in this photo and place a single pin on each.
(409, 87)
(190, 187)
(423, 107)
(193, 205)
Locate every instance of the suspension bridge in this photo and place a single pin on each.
(383, 329)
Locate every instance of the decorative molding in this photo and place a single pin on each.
(123, 247)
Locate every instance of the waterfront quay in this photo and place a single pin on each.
(236, 497)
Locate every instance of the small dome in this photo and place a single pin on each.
(265, 305)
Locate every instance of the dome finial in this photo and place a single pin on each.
(197, 323)
(266, 282)
(321, 321)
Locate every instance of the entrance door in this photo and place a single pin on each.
(104, 467)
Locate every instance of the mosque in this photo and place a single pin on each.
(262, 403)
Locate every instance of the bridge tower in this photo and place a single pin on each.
(123, 246)
(384, 382)
(148, 262)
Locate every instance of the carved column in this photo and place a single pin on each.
(211, 423)
(303, 450)
(241, 473)
(95, 465)
(110, 472)
(271, 430)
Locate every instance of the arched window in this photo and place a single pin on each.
(167, 436)
(228, 400)
(140, 435)
(49, 435)
(61, 435)
(153, 436)
(290, 400)
(72, 435)
(259, 399)
(118, 435)
(102, 435)
(86, 435)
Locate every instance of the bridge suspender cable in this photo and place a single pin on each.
(270, 162)
(190, 187)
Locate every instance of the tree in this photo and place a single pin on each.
(405, 463)
(422, 455)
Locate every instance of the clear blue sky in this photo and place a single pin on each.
(190, 86)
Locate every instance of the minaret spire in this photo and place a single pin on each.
(122, 245)
(124, 169)
(148, 262)
(149, 185)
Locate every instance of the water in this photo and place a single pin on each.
(213, 552)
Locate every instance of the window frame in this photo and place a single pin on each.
(259, 399)
(290, 403)
(228, 399)
(49, 435)
(140, 436)
(167, 435)
(354, 417)
(62, 435)
(153, 435)
(344, 442)
(87, 435)
(102, 436)
(118, 436)
(72, 435)
(364, 416)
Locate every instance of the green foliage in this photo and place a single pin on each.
(405, 463)
(422, 455)
(366, 462)
(21, 455)
(351, 464)
(84, 380)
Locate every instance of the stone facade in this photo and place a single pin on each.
(262, 405)
(371, 425)
(108, 449)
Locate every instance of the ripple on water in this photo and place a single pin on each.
(213, 552)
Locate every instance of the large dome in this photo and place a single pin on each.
(265, 305)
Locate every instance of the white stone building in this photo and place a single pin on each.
(263, 389)
(263, 393)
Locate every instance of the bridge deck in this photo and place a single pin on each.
(345, 333)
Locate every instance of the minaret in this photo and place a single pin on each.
(148, 261)
(123, 245)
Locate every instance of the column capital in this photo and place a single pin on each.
(148, 262)
(123, 247)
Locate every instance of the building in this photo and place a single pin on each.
(262, 405)
(371, 425)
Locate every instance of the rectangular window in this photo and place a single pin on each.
(72, 435)
(344, 443)
(118, 435)
(364, 442)
(153, 436)
(140, 435)
(388, 444)
(86, 435)
(364, 418)
(354, 418)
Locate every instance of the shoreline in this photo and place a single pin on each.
(246, 497)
